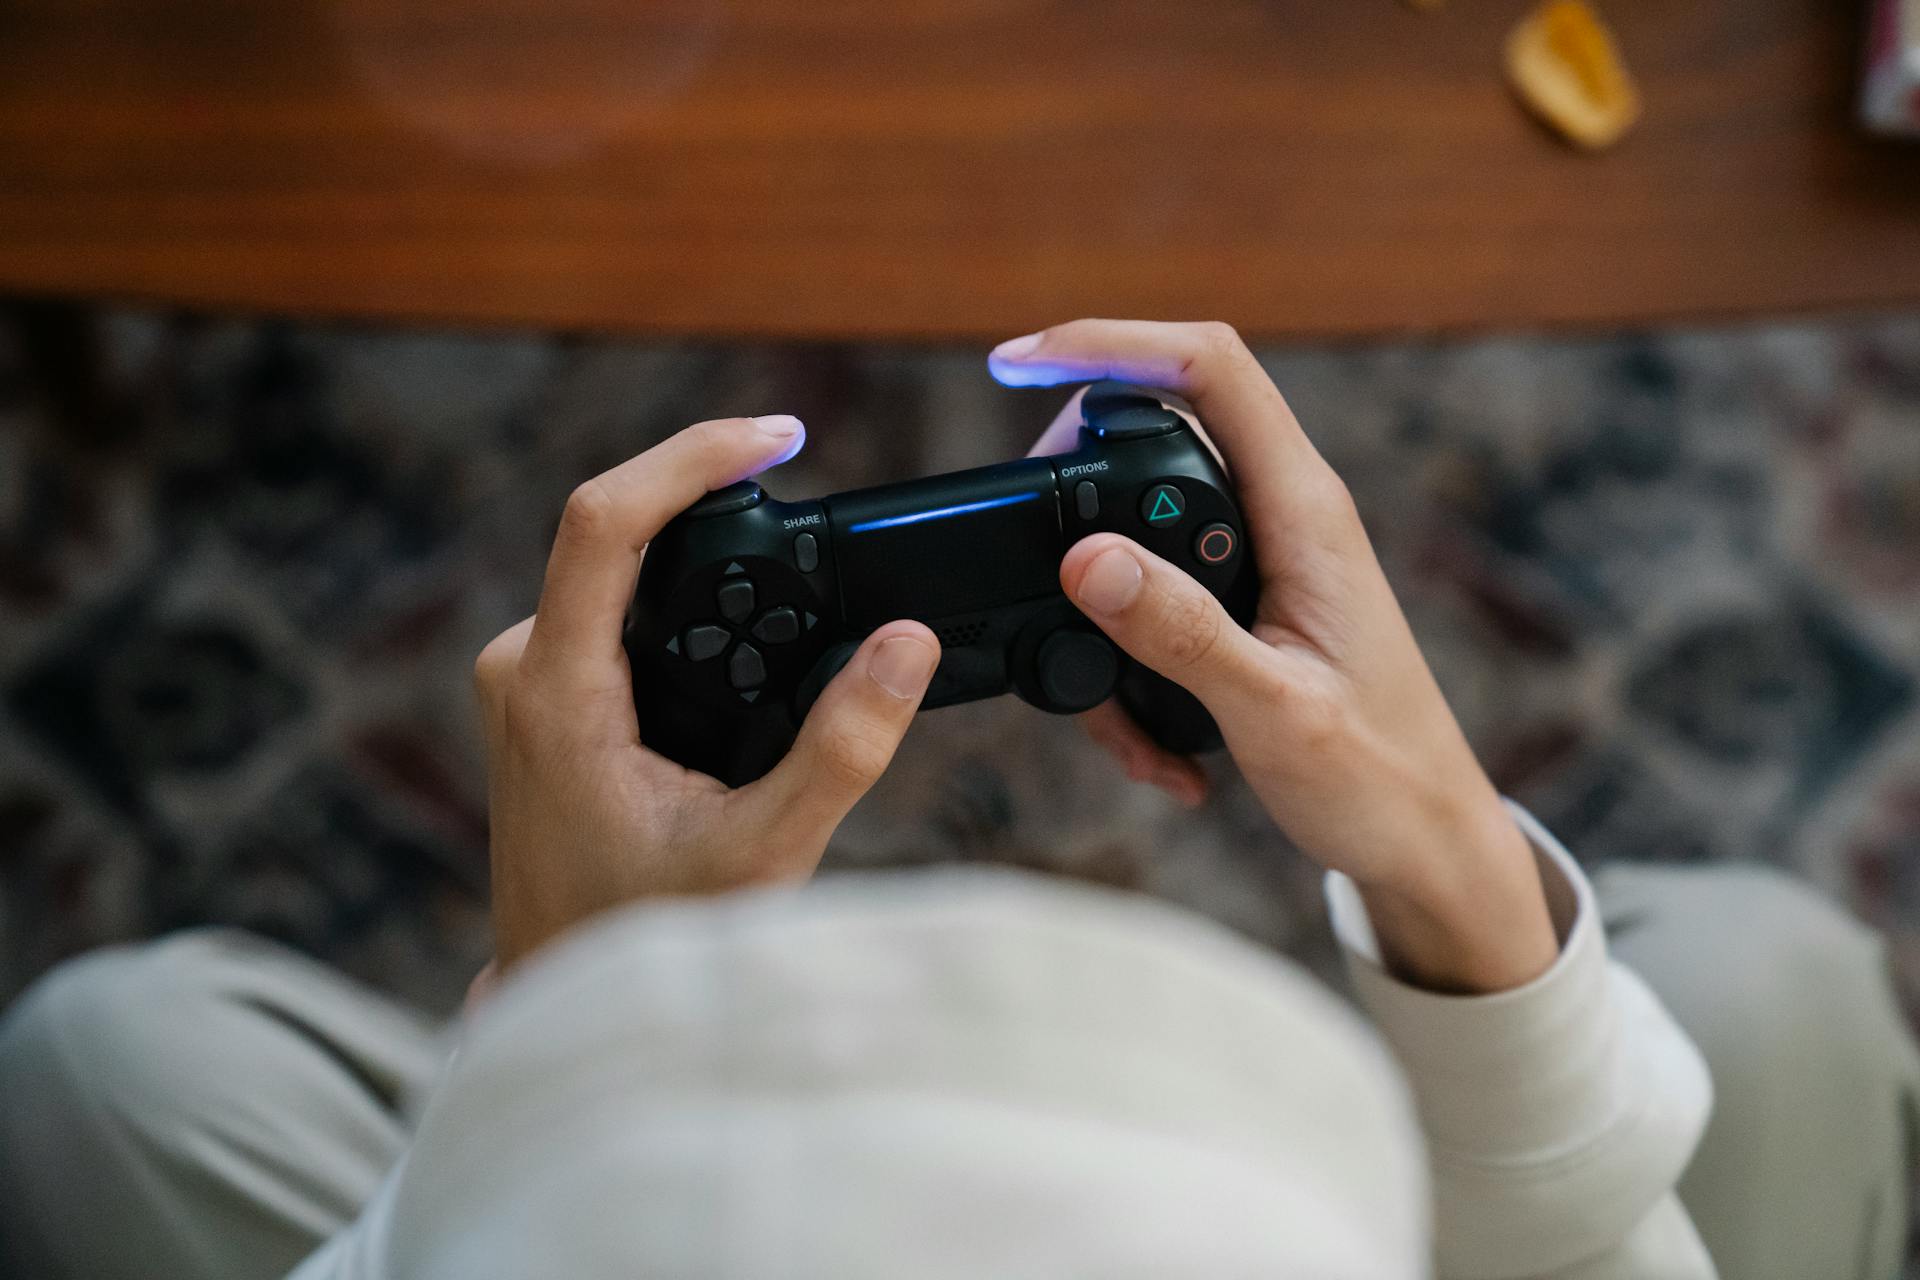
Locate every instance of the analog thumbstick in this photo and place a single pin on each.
(825, 668)
(1077, 669)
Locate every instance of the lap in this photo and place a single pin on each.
(1803, 1169)
(208, 1105)
(214, 1106)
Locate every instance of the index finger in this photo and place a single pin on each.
(610, 519)
(1206, 363)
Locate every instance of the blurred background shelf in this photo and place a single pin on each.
(909, 169)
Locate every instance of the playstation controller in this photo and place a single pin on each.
(747, 606)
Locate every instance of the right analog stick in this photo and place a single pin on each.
(1078, 669)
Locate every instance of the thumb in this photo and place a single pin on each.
(850, 735)
(1163, 618)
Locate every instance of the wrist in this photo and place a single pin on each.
(1469, 916)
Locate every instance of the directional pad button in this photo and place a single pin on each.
(778, 626)
(746, 669)
(735, 598)
(705, 641)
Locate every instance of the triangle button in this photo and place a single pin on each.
(1163, 506)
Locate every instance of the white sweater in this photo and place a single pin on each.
(968, 1073)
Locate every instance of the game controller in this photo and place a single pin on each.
(747, 606)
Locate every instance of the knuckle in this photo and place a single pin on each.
(853, 757)
(708, 441)
(494, 662)
(486, 673)
(1219, 336)
(1329, 495)
(588, 509)
(1273, 689)
(1222, 343)
(1217, 352)
(1192, 626)
(1318, 718)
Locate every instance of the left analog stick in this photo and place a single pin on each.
(830, 664)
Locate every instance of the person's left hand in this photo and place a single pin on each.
(583, 817)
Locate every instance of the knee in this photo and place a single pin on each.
(1791, 1002)
(72, 1015)
(1789, 938)
(111, 1034)
(1747, 915)
(1810, 971)
(1752, 949)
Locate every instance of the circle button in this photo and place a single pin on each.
(1163, 506)
(1216, 544)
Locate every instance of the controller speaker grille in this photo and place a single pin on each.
(960, 635)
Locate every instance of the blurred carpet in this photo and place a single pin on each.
(1669, 582)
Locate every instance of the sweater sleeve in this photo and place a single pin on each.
(1558, 1115)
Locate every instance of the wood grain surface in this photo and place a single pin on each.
(933, 168)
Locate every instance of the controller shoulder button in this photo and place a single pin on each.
(727, 501)
(1135, 422)
(1117, 411)
(1108, 395)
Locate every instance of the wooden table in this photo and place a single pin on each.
(932, 168)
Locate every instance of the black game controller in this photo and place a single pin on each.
(747, 605)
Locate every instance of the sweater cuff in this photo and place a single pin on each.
(1512, 1069)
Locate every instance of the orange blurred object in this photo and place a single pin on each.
(1564, 64)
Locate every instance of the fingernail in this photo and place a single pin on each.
(1111, 582)
(1017, 348)
(779, 426)
(902, 666)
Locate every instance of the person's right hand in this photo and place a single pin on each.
(1326, 703)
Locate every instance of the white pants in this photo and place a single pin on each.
(213, 1106)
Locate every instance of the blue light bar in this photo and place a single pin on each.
(941, 513)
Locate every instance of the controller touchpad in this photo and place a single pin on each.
(930, 550)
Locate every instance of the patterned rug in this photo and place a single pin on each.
(1668, 581)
